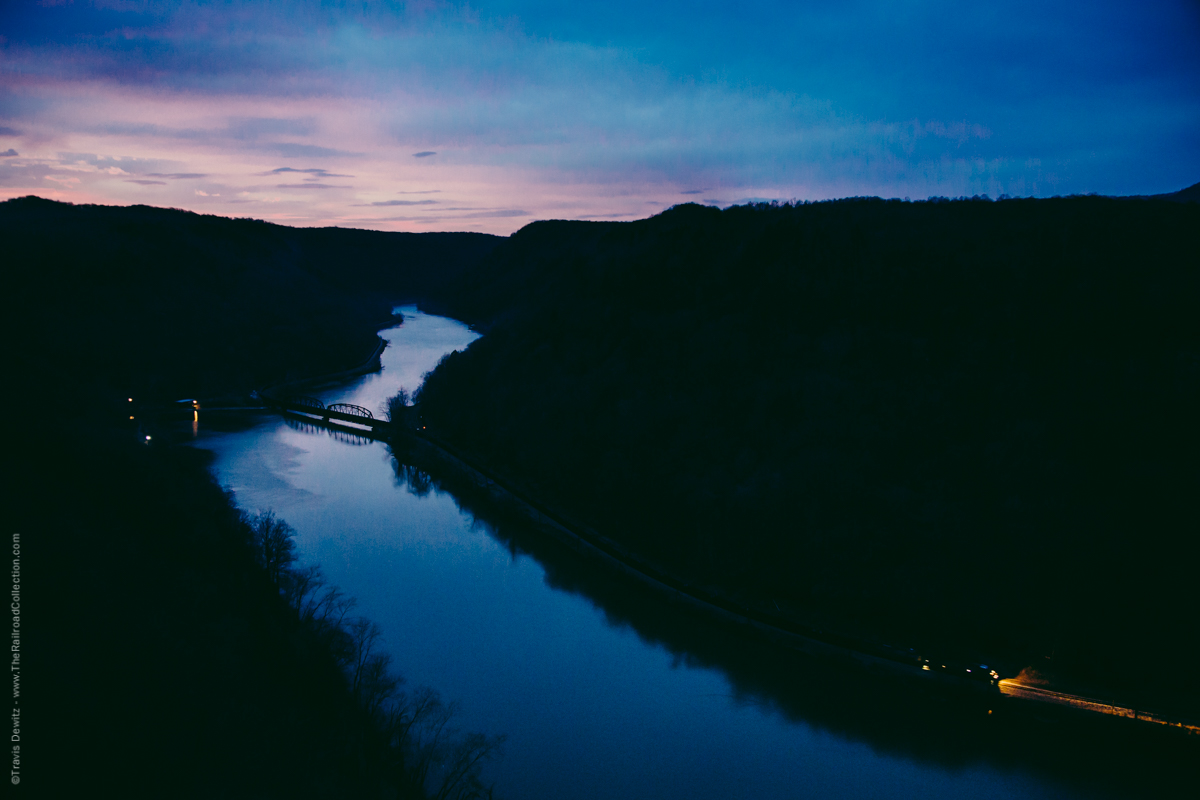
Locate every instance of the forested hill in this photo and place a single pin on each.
(158, 615)
(964, 422)
(167, 303)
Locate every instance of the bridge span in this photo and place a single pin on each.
(340, 416)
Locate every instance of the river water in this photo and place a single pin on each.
(602, 690)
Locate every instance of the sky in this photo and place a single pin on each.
(486, 116)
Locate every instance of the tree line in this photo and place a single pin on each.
(963, 422)
(163, 304)
(407, 735)
(174, 646)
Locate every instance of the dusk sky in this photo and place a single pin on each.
(486, 116)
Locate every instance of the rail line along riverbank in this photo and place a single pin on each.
(552, 647)
(443, 459)
(413, 442)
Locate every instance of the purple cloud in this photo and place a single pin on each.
(294, 150)
(310, 186)
(400, 203)
(598, 114)
(318, 173)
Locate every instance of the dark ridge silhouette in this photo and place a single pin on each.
(163, 629)
(966, 423)
(959, 422)
(161, 304)
(1189, 195)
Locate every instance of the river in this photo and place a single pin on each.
(602, 690)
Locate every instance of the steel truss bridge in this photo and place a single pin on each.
(339, 416)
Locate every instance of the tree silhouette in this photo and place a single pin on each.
(273, 543)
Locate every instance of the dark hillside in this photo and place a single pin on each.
(170, 650)
(151, 631)
(166, 628)
(952, 422)
(1189, 195)
(164, 303)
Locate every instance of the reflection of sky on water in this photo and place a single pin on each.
(591, 706)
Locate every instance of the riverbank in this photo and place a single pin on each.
(949, 424)
(158, 629)
(467, 477)
(606, 689)
(161, 656)
(372, 364)
(471, 476)
(169, 598)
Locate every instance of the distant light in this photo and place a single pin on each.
(925, 667)
(147, 438)
(131, 399)
(131, 417)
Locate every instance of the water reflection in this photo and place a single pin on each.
(604, 689)
(912, 720)
(338, 435)
(415, 480)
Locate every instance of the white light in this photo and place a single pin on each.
(147, 438)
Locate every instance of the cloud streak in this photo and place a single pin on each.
(399, 203)
(593, 110)
(310, 186)
(316, 173)
(501, 214)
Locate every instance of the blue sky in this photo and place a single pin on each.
(485, 116)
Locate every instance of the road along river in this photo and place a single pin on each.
(603, 689)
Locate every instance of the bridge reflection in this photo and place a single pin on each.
(345, 436)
